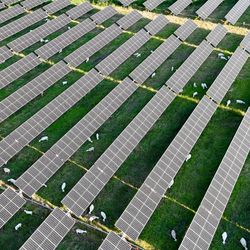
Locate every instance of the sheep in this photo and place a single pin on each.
(104, 216)
(92, 218)
(228, 103)
(220, 54)
(194, 85)
(188, 157)
(204, 85)
(171, 183)
(195, 94)
(12, 181)
(97, 137)
(89, 139)
(46, 41)
(91, 208)
(87, 60)
(223, 58)
(6, 170)
(224, 237)
(44, 138)
(64, 82)
(69, 27)
(80, 231)
(173, 235)
(137, 54)
(18, 226)
(63, 186)
(90, 149)
(41, 40)
(28, 212)
(153, 75)
(243, 242)
(240, 102)
(172, 69)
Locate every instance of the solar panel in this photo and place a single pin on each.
(208, 8)
(5, 53)
(51, 232)
(126, 2)
(10, 203)
(237, 11)
(114, 242)
(18, 69)
(227, 76)
(2, 6)
(103, 15)
(21, 24)
(156, 25)
(177, 7)
(56, 5)
(184, 31)
(140, 209)
(47, 115)
(99, 41)
(72, 35)
(9, 2)
(34, 178)
(149, 66)
(10, 13)
(35, 87)
(30, 4)
(245, 43)
(216, 35)
(128, 20)
(91, 184)
(79, 10)
(206, 220)
(152, 4)
(39, 33)
(187, 70)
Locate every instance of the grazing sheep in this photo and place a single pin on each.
(64, 82)
(28, 212)
(90, 149)
(87, 60)
(153, 75)
(44, 138)
(91, 208)
(240, 102)
(195, 94)
(89, 139)
(194, 85)
(223, 58)
(243, 242)
(104, 216)
(63, 186)
(173, 235)
(171, 183)
(228, 103)
(188, 157)
(12, 181)
(18, 226)
(97, 137)
(92, 218)
(204, 85)
(6, 170)
(137, 54)
(172, 69)
(80, 231)
(220, 54)
(224, 238)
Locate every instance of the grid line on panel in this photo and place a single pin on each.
(206, 220)
(110, 161)
(35, 87)
(18, 69)
(225, 79)
(177, 7)
(114, 242)
(10, 203)
(10, 13)
(208, 8)
(21, 23)
(237, 11)
(142, 206)
(51, 232)
(55, 6)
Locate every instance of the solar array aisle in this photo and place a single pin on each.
(46, 116)
(54, 158)
(206, 220)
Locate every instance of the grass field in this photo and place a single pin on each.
(177, 209)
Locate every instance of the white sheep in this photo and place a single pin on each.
(87, 60)
(173, 235)
(80, 231)
(97, 137)
(28, 212)
(90, 149)
(224, 238)
(69, 27)
(6, 170)
(18, 226)
(195, 94)
(172, 68)
(41, 40)
(171, 183)
(65, 82)
(104, 216)
(12, 181)
(188, 157)
(63, 186)
(92, 218)
(194, 85)
(243, 242)
(223, 58)
(240, 102)
(60, 51)
(44, 138)
(89, 139)
(153, 75)
(91, 208)
(220, 54)
(137, 54)
(204, 85)
(228, 103)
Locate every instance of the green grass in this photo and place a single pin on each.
(194, 177)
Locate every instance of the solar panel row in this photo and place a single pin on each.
(157, 25)
(51, 232)
(152, 4)
(126, 2)
(90, 48)
(227, 76)
(21, 23)
(2, 6)
(185, 30)
(30, 4)
(245, 43)
(51, 112)
(177, 7)
(11, 12)
(208, 8)
(9, 2)
(237, 11)
(5, 53)
(32, 89)
(89, 186)
(17, 69)
(55, 6)
(79, 10)
(140, 209)
(205, 222)
(114, 242)
(217, 34)
(10, 203)
(72, 35)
